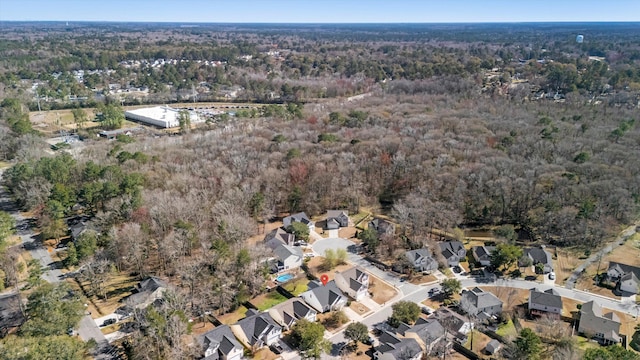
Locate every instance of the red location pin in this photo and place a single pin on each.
(324, 278)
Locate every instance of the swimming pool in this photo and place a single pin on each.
(284, 278)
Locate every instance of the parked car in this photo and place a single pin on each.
(552, 276)
(109, 322)
(276, 348)
(457, 269)
(426, 310)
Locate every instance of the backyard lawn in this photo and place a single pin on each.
(118, 287)
(297, 286)
(268, 300)
(233, 317)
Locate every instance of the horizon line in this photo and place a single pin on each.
(330, 23)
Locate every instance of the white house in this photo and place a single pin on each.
(353, 282)
(289, 257)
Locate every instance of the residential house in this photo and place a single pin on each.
(393, 347)
(539, 256)
(324, 298)
(428, 332)
(288, 258)
(457, 325)
(480, 303)
(337, 219)
(277, 237)
(492, 347)
(221, 344)
(146, 292)
(422, 260)
(286, 314)
(299, 217)
(625, 275)
(256, 330)
(11, 314)
(80, 228)
(482, 254)
(604, 327)
(382, 226)
(353, 282)
(453, 252)
(545, 302)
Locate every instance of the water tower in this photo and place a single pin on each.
(579, 39)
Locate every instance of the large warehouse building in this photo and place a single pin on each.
(160, 116)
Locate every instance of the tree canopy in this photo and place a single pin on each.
(404, 312)
(356, 332)
(309, 338)
(52, 310)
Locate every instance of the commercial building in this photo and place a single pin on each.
(161, 116)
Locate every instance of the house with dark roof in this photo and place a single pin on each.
(324, 298)
(221, 344)
(482, 254)
(11, 314)
(453, 251)
(146, 292)
(279, 237)
(593, 322)
(80, 228)
(287, 258)
(428, 332)
(422, 260)
(394, 347)
(539, 256)
(457, 325)
(286, 314)
(626, 276)
(480, 303)
(353, 282)
(337, 219)
(299, 217)
(545, 302)
(382, 226)
(256, 330)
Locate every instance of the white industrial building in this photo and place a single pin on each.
(161, 116)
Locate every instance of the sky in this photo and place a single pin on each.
(320, 11)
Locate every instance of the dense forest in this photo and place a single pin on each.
(449, 135)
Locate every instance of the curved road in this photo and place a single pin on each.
(87, 328)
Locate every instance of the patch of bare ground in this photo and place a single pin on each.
(347, 232)
(118, 287)
(565, 261)
(380, 290)
(511, 297)
(316, 268)
(628, 253)
(358, 308)
(263, 230)
(359, 352)
(418, 279)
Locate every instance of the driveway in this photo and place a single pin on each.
(624, 235)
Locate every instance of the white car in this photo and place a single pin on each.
(552, 276)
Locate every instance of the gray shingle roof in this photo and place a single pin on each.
(481, 299)
(222, 338)
(283, 252)
(416, 255)
(427, 329)
(624, 268)
(546, 298)
(256, 325)
(328, 294)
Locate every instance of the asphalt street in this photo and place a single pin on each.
(87, 328)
